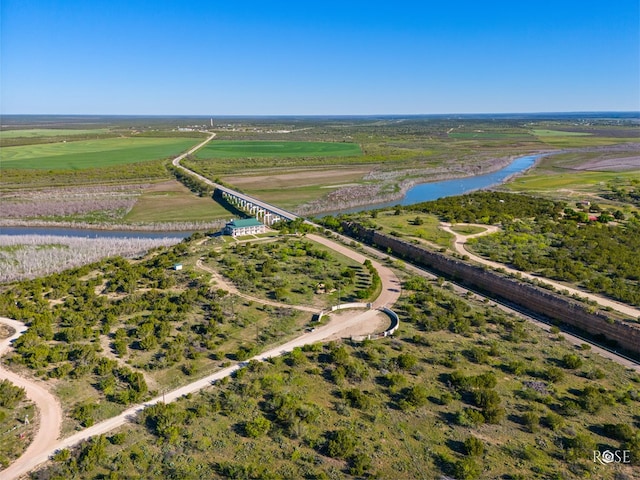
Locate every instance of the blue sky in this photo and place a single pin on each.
(314, 57)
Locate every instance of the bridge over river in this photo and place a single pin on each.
(265, 212)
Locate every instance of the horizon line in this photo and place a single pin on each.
(559, 112)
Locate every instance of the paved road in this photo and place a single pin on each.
(48, 406)
(460, 246)
(255, 201)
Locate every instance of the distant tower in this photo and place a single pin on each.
(212, 122)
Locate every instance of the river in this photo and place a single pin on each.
(420, 193)
(424, 192)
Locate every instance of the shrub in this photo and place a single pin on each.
(359, 464)
(341, 444)
(554, 421)
(485, 398)
(117, 438)
(407, 361)
(619, 431)
(469, 417)
(593, 399)
(553, 374)
(478, 355)
(580, 446)
(571, 361)
(517, 367)
(473, 447)
(531, 421)
(10, 395)
(357, 398)
(257, 427)
(467, 469)
(493, 415)
(415, 396)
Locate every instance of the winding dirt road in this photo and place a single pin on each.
(46, 443)
(222, 282)
(49, 409)
(460, 246)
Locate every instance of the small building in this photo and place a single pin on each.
(177, 266)
(247, 226)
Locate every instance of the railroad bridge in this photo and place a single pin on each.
(266, 213)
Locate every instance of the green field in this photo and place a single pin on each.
(50, 132)
(92, 153)
(490, 136)
(558, 133)
(232, 149)
(173, 202)
(578, 181)
(409, 226)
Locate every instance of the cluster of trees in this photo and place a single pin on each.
(340, 410)
(131, 302)
(490, 207)
(432, 309)
(624, 192)
(479, 389)
(292, 269)
(194, 184)
(602, 258)
(10, 395)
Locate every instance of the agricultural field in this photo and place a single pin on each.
(307, 165)
(88, 154)
(393, 153)
(171, 201)
(462, 391)
(587, 175)
(224, 149)
(297, 186)
(51, 132)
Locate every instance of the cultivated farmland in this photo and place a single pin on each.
(233, 149)
(92, 153)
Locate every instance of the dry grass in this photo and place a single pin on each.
(171, 201)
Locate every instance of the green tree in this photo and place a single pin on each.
(257, 427)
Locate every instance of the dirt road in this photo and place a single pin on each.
(49, 409)
(461, 240)
(339, 325)
(231, 288)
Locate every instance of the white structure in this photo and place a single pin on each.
(247, 226)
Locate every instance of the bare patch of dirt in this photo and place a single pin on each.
(611, 164)
(376, 324)
(299, 178)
